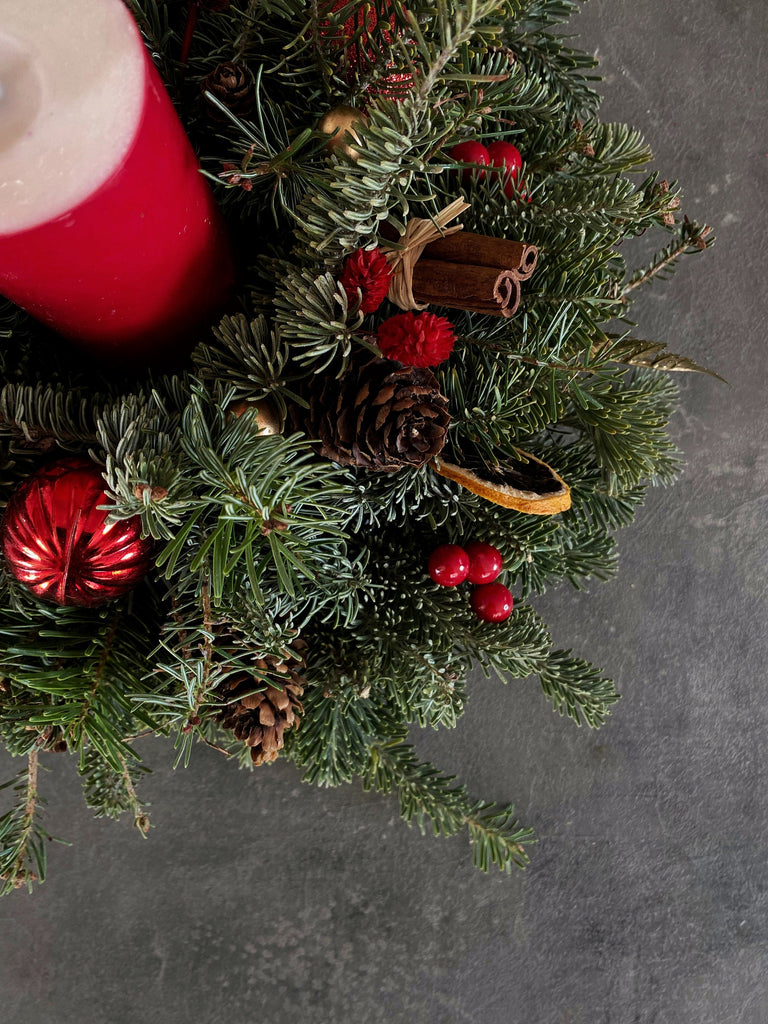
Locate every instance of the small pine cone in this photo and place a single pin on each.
(234, 86)
(260, 718)
(382, 416)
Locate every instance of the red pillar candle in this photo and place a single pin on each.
(108, 232)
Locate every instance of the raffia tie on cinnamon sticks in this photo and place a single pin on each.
(445, 266)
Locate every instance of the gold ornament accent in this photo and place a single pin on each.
(526, 484)
(339, 123)
(268, 419)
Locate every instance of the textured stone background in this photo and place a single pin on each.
(262, 899)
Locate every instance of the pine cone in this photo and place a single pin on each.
(382, 416)
(234, 86)
(260, 719)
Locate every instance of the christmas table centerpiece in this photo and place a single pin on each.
(292, 437)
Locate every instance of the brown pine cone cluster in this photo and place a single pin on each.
(233, 85)
(260, 718)
(380, 416)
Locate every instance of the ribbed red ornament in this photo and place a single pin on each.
(58, 543)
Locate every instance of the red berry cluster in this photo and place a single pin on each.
(478, 563)
(501, 157)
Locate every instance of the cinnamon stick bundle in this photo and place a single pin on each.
(478, 289)
(484, 251)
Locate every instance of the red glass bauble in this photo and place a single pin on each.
(449, 565)
(492, 603)
(470, 152)
(506, 160)
(58, 543)
(485, 562)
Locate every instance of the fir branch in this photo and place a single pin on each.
(456, 28)
(206, 649)
(78, 670)
(249, 26)
(577, 689)
(338, 728)
(248, 357)
(153, 20)
(691, 238)
(497, 837)
(546, 56)
(626, 422)
(22, 838)
(266, 159)
(109, 793)
(425, 794)
(43, 417)
(313, 313)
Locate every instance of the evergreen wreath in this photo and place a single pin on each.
(290, 578)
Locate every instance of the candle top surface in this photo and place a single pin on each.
(72, 81)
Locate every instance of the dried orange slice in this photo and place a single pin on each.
(526, 484)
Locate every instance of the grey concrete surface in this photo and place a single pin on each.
(261, 899)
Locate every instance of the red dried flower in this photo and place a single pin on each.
(368, 270)
(417, 339)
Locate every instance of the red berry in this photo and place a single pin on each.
(470, 152)
(449, 565)
(505, 155)
(492, 603)
(485, 562)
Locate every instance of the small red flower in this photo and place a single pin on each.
(417, 339)
(368, 270)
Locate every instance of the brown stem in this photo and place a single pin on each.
(29, 807)
(529, 360)
(687, 243)
(207, 646)
(185, 648)
(17, 871)
(140, 816)
(215, 746)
